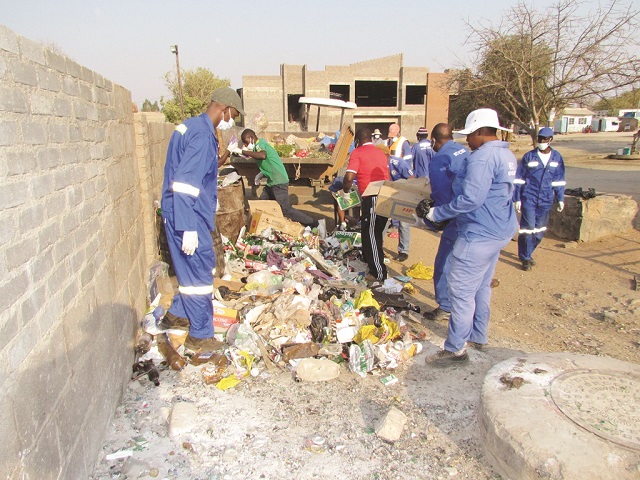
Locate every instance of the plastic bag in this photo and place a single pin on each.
(365, 299)
(361, 358)
(418, 270)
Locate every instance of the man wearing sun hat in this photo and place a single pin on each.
(486, 222)
(539, 181)
(189, 198)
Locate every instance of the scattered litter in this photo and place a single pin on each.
(118, 455)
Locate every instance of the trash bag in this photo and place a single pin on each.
(418, 270)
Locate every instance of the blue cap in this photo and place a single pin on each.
(545, 132)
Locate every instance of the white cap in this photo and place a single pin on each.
(483, 117)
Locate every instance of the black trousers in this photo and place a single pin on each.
(280, 193)
(372, 227)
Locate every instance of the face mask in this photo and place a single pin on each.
(226, 125)
(251, 146)
(543, 146)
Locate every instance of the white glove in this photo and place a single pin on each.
(232, 147)
(430, 214)
(343, 226)
(560, 206)
(518, 206)
(189, 242)
(256, 181)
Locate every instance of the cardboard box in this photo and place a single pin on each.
(269, 206)
(262, 220)
(398, 200)
(346, 204)
(223, 317)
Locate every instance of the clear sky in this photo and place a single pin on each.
(127, 41)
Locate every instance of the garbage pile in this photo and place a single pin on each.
(291, 303)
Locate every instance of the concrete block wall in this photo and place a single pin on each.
(152, 139)
(72, 259)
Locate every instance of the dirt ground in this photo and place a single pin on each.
(579, 298)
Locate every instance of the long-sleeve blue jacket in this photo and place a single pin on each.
(536, 184)
(482, 202)
(422, 153)
(190, 189)
(448, 163)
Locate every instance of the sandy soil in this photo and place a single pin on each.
(578, 298)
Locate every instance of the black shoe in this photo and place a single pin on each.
(445, 358)
(437, 314)
(402, 257)
(526, 265)
(172, 322)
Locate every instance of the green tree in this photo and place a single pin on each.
(630, 99)
(535, 63)
(147, 106)
(197, 86)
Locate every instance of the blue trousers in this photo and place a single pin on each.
(442, 266)
(473, 262)
(195, 280)
(533, 226)
(404, 237)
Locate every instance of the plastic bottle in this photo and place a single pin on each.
(173, 358)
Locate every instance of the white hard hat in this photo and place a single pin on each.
(483, 117)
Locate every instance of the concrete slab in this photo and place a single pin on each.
(562, 416)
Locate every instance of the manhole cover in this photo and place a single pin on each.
(603, 402)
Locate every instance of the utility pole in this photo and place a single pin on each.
(174, 49)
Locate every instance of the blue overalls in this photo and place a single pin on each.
(536, 186)
(422, 154)
(486, 220)
(189, 198)
(448, 163)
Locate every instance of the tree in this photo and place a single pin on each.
(535, 63)
(147, 106)
(630, 99)
(197, 86)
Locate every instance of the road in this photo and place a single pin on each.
(605, 181)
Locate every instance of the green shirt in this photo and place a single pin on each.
(272, 166)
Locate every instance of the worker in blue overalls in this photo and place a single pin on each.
(189, 199)
(486, 221)
(448, 163)
(539, 180)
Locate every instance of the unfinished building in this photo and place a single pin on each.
(384, 90)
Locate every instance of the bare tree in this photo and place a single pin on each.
(535, 63)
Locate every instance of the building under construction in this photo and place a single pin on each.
(383, 89)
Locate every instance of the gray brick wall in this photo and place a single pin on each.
(73, 256)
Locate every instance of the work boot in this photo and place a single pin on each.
(476, 345)
(402, 257)
(199, 345)
(437, 314)
(526, 265)
(172, 322)
(445, 358)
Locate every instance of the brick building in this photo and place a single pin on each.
(384, 90)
